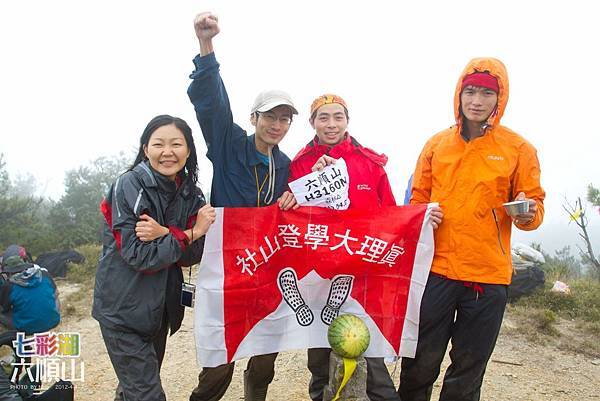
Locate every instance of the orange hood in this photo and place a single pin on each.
(495, 68)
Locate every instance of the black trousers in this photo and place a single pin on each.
(137, 363)
(450, 310)
(213, 382)
(380, 386)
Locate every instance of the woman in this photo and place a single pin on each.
(155, 221)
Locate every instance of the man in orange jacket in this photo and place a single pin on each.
(470, 169)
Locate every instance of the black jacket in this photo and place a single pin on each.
(136, 280)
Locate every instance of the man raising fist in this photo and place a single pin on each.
(248, 171)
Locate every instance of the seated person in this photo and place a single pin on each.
(28, 295)
(26, 390)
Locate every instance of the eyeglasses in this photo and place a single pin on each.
(270, 118)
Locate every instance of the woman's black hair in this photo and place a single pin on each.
(191, 165)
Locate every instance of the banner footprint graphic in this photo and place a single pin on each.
(288, 285)
(338, 293)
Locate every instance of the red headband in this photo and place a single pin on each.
(326, 99)
(481, 79)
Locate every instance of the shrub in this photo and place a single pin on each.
(85, 272)
(544, 321)
(584, 301)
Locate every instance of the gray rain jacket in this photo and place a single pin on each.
(137, 280)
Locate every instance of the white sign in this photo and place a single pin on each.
(327, 188)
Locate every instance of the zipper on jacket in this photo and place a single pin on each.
(137, 201)
(498, 231)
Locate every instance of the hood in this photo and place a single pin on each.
(31, 277)
(14, 260)
(495, 68)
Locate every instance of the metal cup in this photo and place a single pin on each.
(516, 207)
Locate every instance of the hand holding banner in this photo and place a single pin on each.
(271, 280)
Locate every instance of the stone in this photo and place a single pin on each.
(355, 389)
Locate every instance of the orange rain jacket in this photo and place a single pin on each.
(472, 179)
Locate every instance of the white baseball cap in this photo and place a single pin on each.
(270, 99)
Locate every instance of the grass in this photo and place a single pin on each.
(77, 304)
(571, 322)
(545, 322)
(84, 273)
(583, 303)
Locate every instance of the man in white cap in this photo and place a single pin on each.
(248, 171)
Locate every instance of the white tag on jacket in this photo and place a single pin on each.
(327, 188)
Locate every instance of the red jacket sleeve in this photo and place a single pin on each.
(384, 192)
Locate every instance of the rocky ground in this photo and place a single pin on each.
(519, 370)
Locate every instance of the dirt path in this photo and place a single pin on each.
(519, 371)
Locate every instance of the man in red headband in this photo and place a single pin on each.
(471, 169)
(369, 189)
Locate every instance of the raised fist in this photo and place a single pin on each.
(206, 26)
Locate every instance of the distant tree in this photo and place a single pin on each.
(537, 246)
(24, 185)
(42, 225)
(577, 214)
(593, 195)
(563, 264)
(76, 217)
(4, 178)
(21, 218)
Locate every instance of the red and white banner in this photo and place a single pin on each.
(271, 281)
